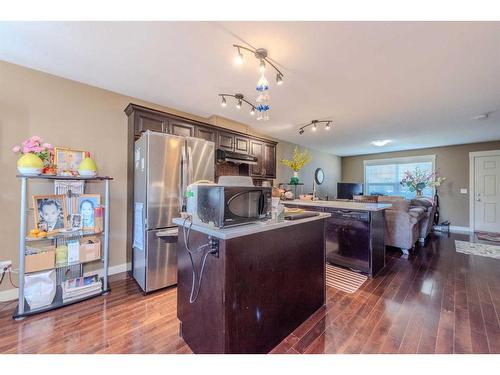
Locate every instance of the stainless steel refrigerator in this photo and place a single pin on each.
(164, 165)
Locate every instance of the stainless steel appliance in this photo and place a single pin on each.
(164, 166)
(223, 206)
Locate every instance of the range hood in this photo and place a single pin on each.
(236, 158)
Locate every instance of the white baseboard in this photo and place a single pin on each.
(12, 294)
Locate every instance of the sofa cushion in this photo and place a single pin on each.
(417, 212)
(398, 204)
(422, 202)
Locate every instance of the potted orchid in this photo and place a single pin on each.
(36, 156)
(299, 159)
(418, 180)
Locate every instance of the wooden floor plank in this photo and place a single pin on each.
(436, 300)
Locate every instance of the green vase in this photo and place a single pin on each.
(295, 179)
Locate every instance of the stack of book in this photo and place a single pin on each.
(81, 287)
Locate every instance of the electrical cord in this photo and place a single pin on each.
(197, 279)
(3, 275)
(10, 279)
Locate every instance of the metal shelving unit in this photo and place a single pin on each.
(23, 308)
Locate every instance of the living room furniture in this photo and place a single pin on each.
(426, 222)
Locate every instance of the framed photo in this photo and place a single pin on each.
(86, 203)
(50, 212)
(67, 160)
(75, 222)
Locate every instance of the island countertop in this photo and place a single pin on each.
(342, 205)
(248, 229)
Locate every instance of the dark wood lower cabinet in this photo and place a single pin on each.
(256, 292)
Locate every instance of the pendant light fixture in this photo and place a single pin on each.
(240, 99)
(262, 87)
(314, 125)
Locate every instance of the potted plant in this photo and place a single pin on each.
(299, 159)
(36, 156)
(418, 180)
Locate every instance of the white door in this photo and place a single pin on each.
(487, 193)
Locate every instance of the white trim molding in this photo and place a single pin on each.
(12, 294)
(472, 183)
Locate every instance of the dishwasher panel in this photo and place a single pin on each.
(348, 239)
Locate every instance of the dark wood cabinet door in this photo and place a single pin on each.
(148, 121)
(241, 145)
(256, 149)
(225, 141)
(269, 160)
(181, 128)
(205, 133)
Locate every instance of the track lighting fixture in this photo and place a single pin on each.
(240, 98)
(314, 124)
(279, 79)
(261, 54)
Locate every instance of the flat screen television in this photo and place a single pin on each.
(345, 190)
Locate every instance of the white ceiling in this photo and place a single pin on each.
(416, 83)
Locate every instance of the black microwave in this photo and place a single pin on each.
(224, 206)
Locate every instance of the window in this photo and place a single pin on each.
(383, 176)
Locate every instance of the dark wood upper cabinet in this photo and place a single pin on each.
(205, 133)
(181, 128)
(269, 160)
(225, 141)
(142, 118)
(241, 144)
(149, 121)
(256, 149)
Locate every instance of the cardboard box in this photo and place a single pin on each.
(90, 251)
(42, 260)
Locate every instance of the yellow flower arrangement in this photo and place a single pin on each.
(298, 160)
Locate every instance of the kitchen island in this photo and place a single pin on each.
(354, 233)
(259, 283)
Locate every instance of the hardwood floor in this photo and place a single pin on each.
(436, 301)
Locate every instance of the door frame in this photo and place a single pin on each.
(472, 193)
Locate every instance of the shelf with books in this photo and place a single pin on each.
(63, 190)
(57, 302)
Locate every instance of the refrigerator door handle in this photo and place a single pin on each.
(168, 233)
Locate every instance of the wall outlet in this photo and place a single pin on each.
(5, 264)
(463, 190)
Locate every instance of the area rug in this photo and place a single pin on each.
(344, 280)
(487, 236)
(481, 249)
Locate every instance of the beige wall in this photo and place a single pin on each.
(68, 113)
(452, 162)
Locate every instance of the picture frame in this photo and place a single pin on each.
(50, 212)
(67, 160)
(85, 206)
(75, 222)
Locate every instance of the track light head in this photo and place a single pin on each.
(314, 127)
(252, 111)
(224, 102)
(301, 131)
(238, 59)
(279, 79)
(327, 126)
(239, 103)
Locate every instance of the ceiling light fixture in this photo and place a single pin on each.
(263, 84)
(238, 59)
(261, 54)
(240, 98)
(381, 142)
(314, 124)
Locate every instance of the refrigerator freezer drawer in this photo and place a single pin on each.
(161, 262)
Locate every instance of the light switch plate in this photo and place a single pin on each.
(463, 191)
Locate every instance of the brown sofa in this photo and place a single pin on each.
(406, 222)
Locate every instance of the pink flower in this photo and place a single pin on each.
(47, 145)
(37, 149)
(36, 138)
(16, 149)
(26, 150)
